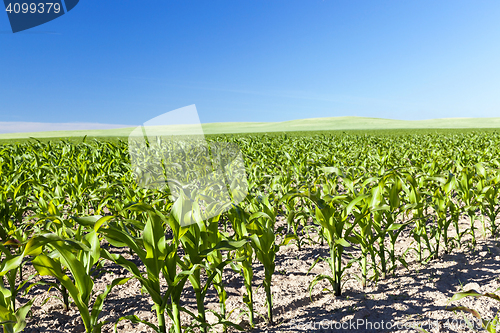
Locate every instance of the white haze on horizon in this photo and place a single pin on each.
(23, 127)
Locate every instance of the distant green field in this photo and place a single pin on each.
(302, 125)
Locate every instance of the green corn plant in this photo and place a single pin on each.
(390, 209)
(371, 225)
(214, 267)
(263, 240)
(490, 194)
(14, 231)
(377, 216)
(292, 214)
(12, 321)
(202, 245)
(12, 249)
(332, 213)
(262, 234)
(488, 325)
(193, 244)
(378, 207)
(417, 200)
(446, 211)
(364, 236)
(239, 219)
(52, 220)
(81, 285)
(466, 188)
(10, 266)
(158, 255)
(481, 181)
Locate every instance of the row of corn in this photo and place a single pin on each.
(65, 209)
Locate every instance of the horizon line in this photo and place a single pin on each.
(13, 127)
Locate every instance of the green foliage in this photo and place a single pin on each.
(487, 325)
(66, 206)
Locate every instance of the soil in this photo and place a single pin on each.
(413, 296)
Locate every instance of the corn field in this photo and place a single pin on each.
(66, 208)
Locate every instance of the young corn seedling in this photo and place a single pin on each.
(445, 211)
(466, 188)
(383, 215)
(262, 234)
(239, 220)
(263, 240)
(52, 220)
(81, 285)
(490, 192)
(9, 268)
(392, 207)
(481, 181)
(202, 245)
(14, 231)
(13, 247)
(215, 267)
(332, 213)
(158, 255)
(364, 236)
(291, 214)
(489, 325)
(417, 201)
(13, 320)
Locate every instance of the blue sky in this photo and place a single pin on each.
(127, 61)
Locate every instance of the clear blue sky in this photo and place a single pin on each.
(126, 61)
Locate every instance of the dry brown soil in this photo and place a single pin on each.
(416, 296)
